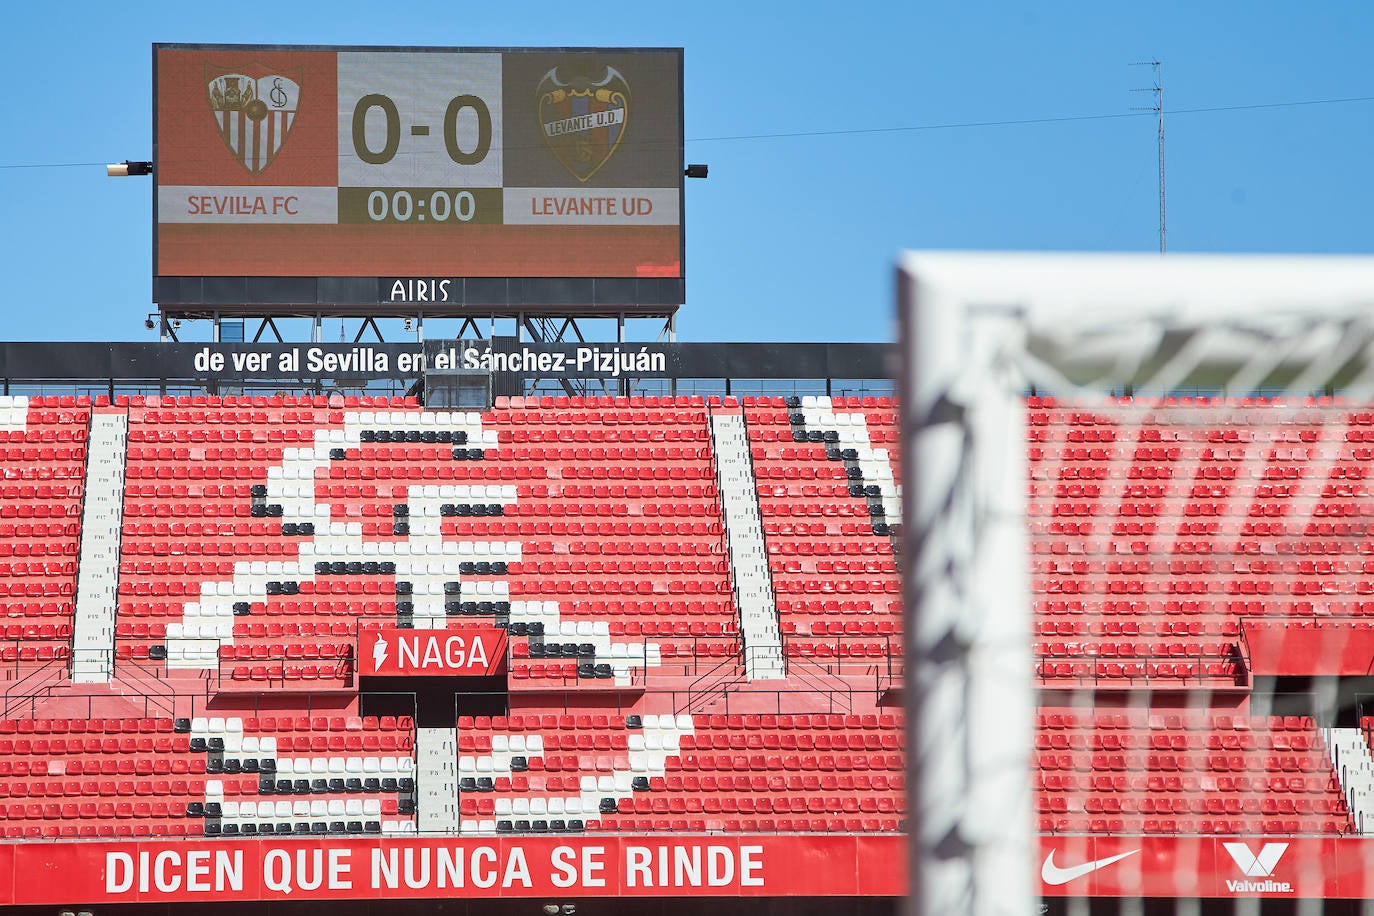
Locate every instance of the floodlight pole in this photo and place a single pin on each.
(1158, 108)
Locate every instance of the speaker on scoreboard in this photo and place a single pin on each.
(505, 383)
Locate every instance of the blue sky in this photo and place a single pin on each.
(790, 238)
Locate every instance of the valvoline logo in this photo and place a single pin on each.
(461, 652)
(1257, 865)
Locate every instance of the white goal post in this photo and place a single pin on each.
(978, 332)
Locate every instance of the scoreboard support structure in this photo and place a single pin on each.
(535, 326)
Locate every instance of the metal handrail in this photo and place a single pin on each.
(721, 677)
(50, 674)
(1096, 677)
(816, 681)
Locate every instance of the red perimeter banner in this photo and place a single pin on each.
(171, 872)
(456, 652)
(1212, 866)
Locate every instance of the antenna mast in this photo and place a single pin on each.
(1157, 69)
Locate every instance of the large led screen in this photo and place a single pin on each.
(315, 179)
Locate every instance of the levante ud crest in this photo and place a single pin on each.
(254, 113)
(583, 118)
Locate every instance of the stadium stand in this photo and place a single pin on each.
(42, 469)
(266, 542)
(830, 510)
(1217, 774)
(1187, 548)
(261, 536)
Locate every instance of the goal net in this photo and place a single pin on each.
(1137, 557)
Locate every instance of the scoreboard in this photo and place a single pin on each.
(293, 180)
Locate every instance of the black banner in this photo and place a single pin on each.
(379, 297)
(228, 362)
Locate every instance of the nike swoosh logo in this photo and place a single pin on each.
(1053, 875)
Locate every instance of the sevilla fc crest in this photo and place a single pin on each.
(583, 118)
(254, 114)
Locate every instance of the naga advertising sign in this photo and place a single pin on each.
(438, 180)
(459, 652)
